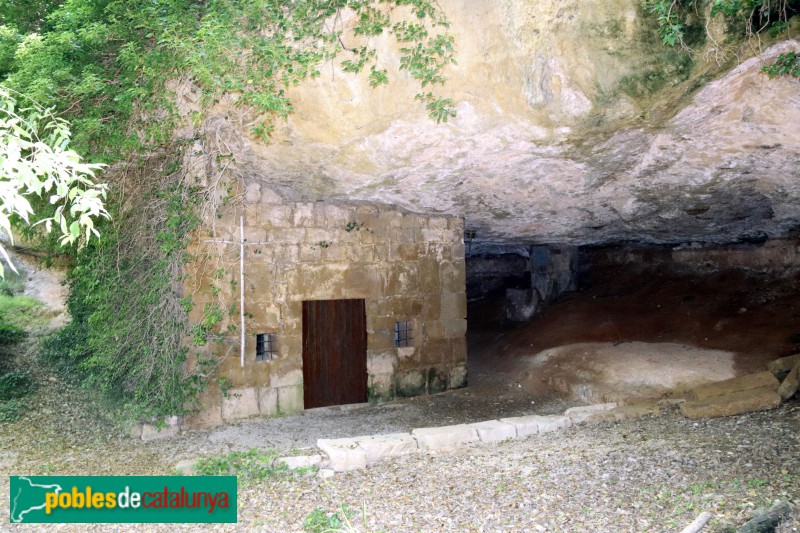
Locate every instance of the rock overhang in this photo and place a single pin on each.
(550, 145)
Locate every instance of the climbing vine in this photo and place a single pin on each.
(114, 68)
(748, 18)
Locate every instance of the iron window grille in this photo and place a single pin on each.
(266, 347)
(403, 334)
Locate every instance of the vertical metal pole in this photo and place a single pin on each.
(241, 282)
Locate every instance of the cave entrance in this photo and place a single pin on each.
(634, 321)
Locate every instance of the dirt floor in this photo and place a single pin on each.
(639, 333)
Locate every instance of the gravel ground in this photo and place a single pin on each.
(652, 474)
(648, 475)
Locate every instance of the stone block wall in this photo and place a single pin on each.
(407, 267)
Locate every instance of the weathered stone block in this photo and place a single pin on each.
(438, 223)
(454, 328)
(240, 403)
(301, 461)
(437, 380)
(533, 424)
(444, 437)
(344, 454)
(428, 276)
(410, 221)
(494, 430)
(784, 364)
(336, 216)
(411, 383)
(458, 377)
(406, 351)
(187, 467)
(431, 306)
(303, 215)
(267, 401)
(459, 350)
(454, 277)
(382, 447)
(790, 383)
(458, 252)
(291, 377)
(254, 234)
(382, 363)
(454, 305)
(406, 251)
(639, 410)
(290, 400)
(278, 215)
(747, 382)
(381, 387)
(362, 281)
(732, 404)
(583, 413)
(153, 432)
(380, 340)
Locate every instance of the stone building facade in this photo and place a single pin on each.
(342, 304)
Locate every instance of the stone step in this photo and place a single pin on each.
(429, 439)
(784, 364)
(534, 424)
(494, 430)
(344, 454)
(759, 380)
(588, 414)
(790, 383)
(381, 447)
(732, 404)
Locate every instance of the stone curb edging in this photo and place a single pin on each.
(354, 453)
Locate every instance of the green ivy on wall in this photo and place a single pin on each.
(110, 67)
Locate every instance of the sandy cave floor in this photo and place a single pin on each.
(654, 463)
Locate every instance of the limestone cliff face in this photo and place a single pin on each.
(574, 126)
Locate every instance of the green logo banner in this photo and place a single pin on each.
(123, 499)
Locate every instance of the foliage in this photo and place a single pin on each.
(11, 410)
(127, 320)
(754, 17)
(787, 64)
(670, 16)
(250, 467)
(36, 161)
(15, 384)
(319, 521)
(112, 68)
(106, 64)
(10, 334)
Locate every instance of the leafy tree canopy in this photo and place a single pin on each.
(105, 64)
(35, 161)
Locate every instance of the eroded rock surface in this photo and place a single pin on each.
(574, 126)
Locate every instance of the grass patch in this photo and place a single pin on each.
(320, 521)
(250, 467)
(16, 384)
(21, 311)
(11, 410)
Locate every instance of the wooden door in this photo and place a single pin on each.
(334, 352)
